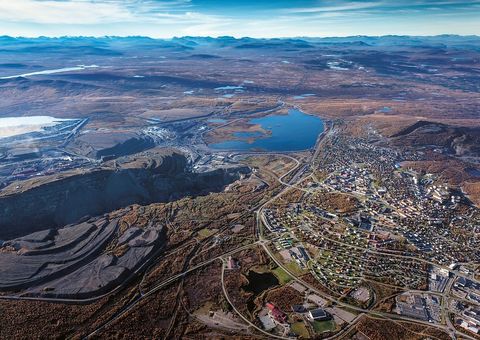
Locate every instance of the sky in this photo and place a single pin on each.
(253, 18)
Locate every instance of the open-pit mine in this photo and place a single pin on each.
(207, 188)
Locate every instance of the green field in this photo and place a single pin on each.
(281, 275)
(295, 269)
(204, 233)
(323, 326)
(300, 329)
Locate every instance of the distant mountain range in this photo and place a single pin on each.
(301, 42)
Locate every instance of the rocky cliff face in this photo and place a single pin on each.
(67, 200)
(459, 141)
(128, 147)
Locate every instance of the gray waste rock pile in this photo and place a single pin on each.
(78, 261)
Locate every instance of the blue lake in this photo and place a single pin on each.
(216, 120)
(245, 134)
(292, 132)
(473, 172)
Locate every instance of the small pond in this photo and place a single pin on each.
(258, 282)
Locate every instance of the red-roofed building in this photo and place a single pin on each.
(277, 314)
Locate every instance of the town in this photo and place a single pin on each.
(360, 220)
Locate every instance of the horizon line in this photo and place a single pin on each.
(240, 37)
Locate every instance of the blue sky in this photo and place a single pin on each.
(254, 18)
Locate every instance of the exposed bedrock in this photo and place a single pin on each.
(127, 147)
(63, 201)
(459, 141)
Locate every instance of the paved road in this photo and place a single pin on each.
(383, 315)
(225, 293)
(165, 283)
(448, 328)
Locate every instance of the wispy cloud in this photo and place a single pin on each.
(62, 12)
(339, 7)
(384, 7)
(89, 12)
(237, 17)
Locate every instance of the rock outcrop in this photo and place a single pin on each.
(66, 200)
